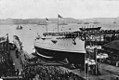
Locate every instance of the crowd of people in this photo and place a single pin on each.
(5, 61)
(40, 72)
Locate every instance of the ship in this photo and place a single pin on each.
(90, 29)
(19, 27)
(61, 46)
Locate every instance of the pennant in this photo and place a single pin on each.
(47, 19)
(59, 16)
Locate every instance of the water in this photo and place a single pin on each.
(29, 32)
(27, 35)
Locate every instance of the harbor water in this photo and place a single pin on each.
(30, 31)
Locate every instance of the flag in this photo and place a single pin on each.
(59, 16)
(47, 19)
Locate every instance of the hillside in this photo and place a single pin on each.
(64, 20)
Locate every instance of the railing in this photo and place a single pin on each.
(93, 32)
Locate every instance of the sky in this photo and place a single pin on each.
(78, 9)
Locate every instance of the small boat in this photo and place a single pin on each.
(19, 27)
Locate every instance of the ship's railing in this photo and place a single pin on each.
(83, 32)
(56, 33)
(85, 35)
(102, 32)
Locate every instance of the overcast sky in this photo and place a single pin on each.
(66, 8)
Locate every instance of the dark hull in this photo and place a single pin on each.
(73, 57)
(87, 29)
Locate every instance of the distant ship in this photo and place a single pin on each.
(90, 28)
(19, 27)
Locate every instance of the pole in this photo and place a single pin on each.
(95, 50)
(87, 70)
(46, 26)
(63, 23)
(85, 67)
(8, 42)
(86, 64)
(58, 25)
(8, 47)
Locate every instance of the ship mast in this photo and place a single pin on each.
(59, 17)
(58, 25)
(46, 25)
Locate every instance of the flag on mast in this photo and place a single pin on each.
(59, 16)
(47, 19)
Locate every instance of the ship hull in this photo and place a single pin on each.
(73, 57)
